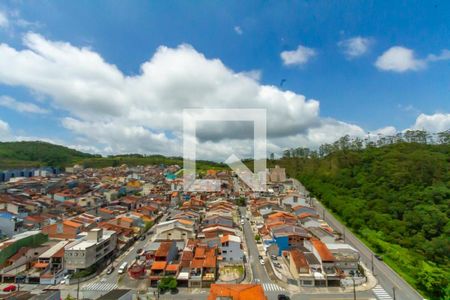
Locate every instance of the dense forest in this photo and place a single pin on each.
(393, 193)
(36, 154)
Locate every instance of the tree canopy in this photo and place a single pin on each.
(395, 195)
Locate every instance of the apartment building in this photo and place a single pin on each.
(94, 247)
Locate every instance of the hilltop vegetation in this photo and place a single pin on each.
(138, 159)
(395, 196)
(37, 154)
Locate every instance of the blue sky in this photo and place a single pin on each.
(363, 89)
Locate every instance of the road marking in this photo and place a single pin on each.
(94, 286)
(380, 293)
(271, 287)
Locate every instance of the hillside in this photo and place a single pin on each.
(35, 154)
(137, 159)
(396, 198)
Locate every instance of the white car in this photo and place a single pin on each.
(242, 222)
(261, 261)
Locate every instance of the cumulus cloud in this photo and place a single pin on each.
(22, 107)
(299, 56)
(400, 59)
(4, 129)
(433, 123)
(355, 46)
(111, 112)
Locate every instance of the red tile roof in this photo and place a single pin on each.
(237, 291)
(159, 265)
(322, 249)
(299, 259)
(163, 249)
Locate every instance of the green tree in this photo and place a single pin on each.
(167, 283)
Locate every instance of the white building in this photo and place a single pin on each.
(93, 247)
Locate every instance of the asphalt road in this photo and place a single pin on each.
(259, 271)
(386, 277)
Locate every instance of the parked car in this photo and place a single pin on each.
(274, 257)
(242, 222)
(110, 270)
(261, 261)
(143, 238)
(123, 268)
(10, 288)
(260, 257)
(277, 265)
(283, 297)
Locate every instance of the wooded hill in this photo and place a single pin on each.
(395, 196)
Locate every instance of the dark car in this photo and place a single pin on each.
(379, 257)
(143, 238)
(283, 297)
(274, 257)
(260, 257)
(110, 270)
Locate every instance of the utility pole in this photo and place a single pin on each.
(373, 270)
(343, 230)
(393, 291)
(354, 288)
(78, 289)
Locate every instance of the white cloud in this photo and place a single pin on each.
(4, 129)
(355, 46)
(299, 56)
(23, 107)
(4, 22)
(386, 131)
(400, 59)
(433, 123)
(253, 74)
(114, 113)
(445, 55)
(238, 30)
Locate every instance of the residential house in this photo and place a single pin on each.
(63, 230)
(174, 230)
(230, 248)
(236, 292)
